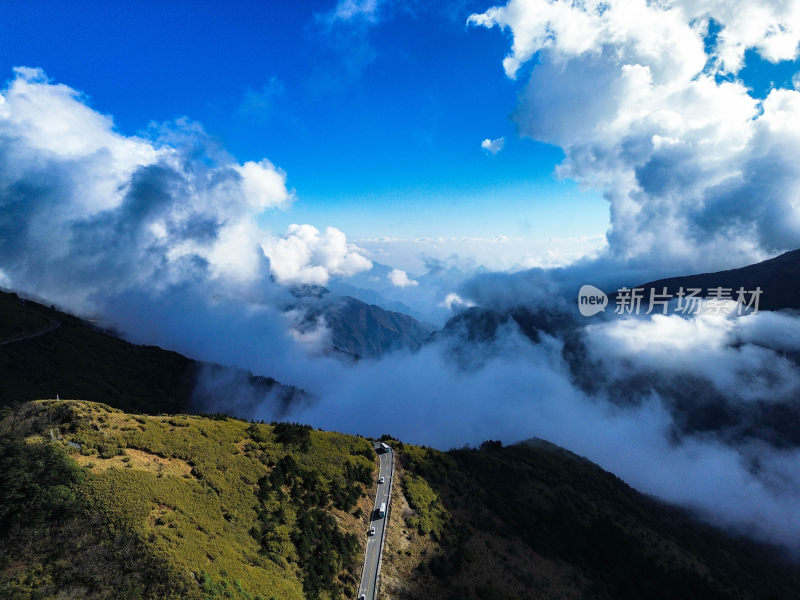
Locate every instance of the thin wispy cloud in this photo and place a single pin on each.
(262, 103)
(349, 10)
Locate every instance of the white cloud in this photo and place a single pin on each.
(642, 30)
(53, 121)
(264, 185)
(493, 146)
(234, 253)
(696, 170)
(98, 210)
(716, 347)
(314, 337)
(455, 302)
(747, 485)
(306, 256)
(400, 279)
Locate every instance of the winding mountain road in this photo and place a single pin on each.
(368, 589)
(34, 334)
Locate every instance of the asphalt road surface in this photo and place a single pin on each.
(372, 557)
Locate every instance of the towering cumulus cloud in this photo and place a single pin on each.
(87, 213)
(86, 204)
(304, 255)
(644, 99)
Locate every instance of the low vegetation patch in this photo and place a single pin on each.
(430, 518)
(226, 508)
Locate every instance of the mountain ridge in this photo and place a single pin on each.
(777, 277)
(80, 360)
(357, 328)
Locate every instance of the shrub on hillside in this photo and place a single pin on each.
(294, 435)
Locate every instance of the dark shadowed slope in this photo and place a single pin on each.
(778, 278)
(360, 329)
(535, 521)
(78, 360)
(370, 331)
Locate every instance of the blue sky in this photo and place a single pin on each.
(377, 123)
(377, 119)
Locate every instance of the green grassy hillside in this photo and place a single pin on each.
(103, 504)
(98, 503)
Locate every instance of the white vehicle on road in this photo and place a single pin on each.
(382, 480)
(371, 531)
